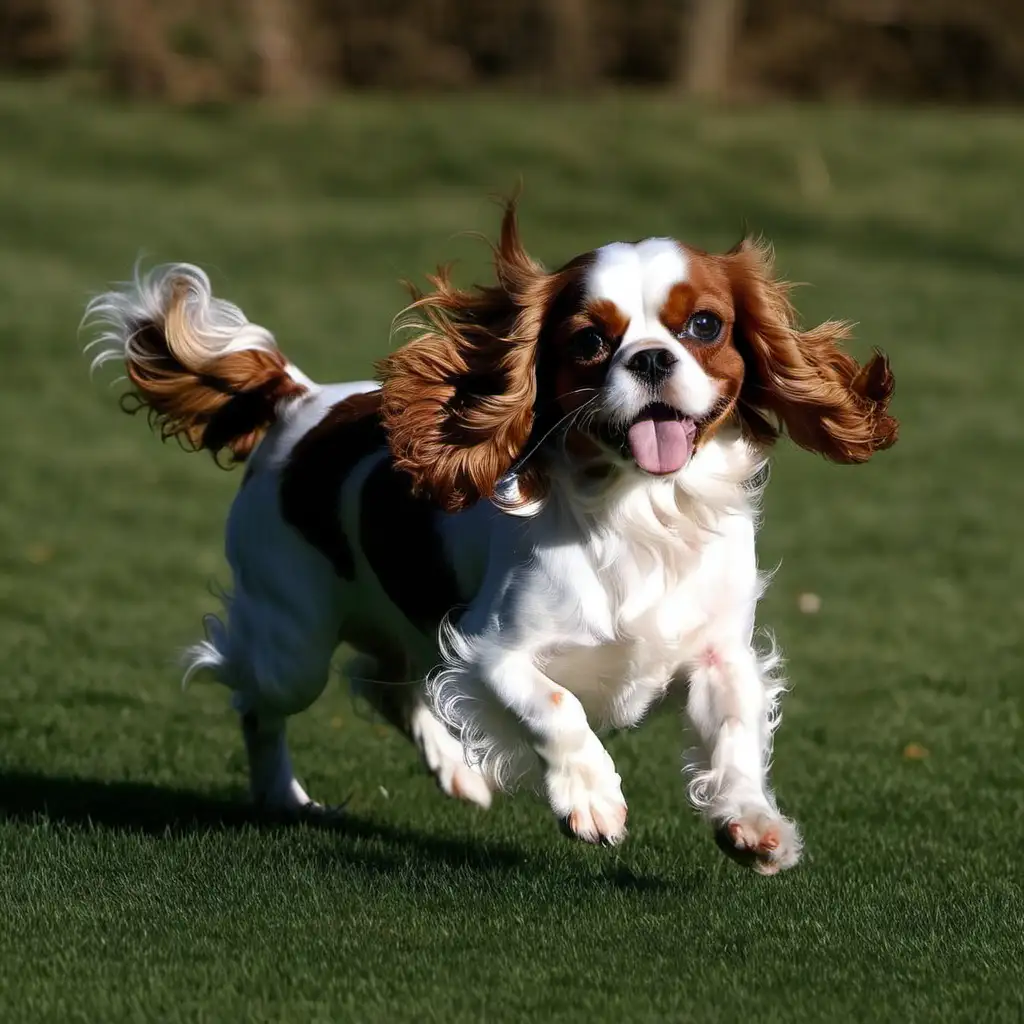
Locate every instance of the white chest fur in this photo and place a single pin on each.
(616, 593)
(654, 599)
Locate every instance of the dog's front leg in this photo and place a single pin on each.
(730, 702)
(580, 780)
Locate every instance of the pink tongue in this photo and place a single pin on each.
(660, 445)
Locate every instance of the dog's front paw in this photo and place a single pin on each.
(586, 796)
(761, 839)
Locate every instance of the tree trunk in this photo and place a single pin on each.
(278, 53)
(572, 56)
(709, 36)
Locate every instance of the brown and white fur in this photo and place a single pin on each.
(538, 525)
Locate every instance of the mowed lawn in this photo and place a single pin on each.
(133, 882)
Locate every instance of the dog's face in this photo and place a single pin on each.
(646, 365)
(630, 356)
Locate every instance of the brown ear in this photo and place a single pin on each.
(458, 400)
(802, 381)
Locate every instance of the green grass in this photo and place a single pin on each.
(134, 884)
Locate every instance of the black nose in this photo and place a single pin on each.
(651, 365)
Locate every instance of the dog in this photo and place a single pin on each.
(536, 523)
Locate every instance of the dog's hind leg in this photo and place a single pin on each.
(402, 702)
(444, 756)
(271, 777)
(274, 646)
(276, 666)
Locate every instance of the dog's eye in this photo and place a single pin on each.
(703, 326)
(590, 346)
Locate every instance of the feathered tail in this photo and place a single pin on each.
(206, 374)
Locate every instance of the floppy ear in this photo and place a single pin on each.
(802, 381)
(458, 400)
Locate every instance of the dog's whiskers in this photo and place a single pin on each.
(568, 417)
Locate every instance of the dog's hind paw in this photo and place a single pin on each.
(443, 755)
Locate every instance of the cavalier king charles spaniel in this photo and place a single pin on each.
(537, 525)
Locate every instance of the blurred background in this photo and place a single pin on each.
(311, 154)
(198, 50)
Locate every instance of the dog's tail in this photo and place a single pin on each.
(205, 373)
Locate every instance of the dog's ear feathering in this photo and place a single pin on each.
(458, 399)
(802, 381)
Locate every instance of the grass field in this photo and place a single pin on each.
(133, 883)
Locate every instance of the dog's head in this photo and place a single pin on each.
(628, 358)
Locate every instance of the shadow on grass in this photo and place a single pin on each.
(166, 813)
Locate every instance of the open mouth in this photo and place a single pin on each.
(659, 440)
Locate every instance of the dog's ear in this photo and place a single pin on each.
(458, 399)
(802, 381)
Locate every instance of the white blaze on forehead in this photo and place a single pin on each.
(638, 279)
